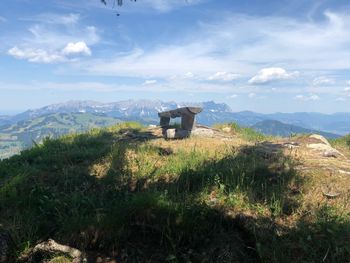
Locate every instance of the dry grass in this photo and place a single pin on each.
(100, 168)
(320, 188)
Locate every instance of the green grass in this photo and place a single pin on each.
(246, 133)
(342, 144)
(116, 190)
(345, 141)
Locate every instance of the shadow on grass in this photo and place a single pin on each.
(49, 192)
(261, 172)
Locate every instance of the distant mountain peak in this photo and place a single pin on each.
(146, 111)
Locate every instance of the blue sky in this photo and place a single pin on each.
(265, 56)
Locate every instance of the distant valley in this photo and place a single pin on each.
(23, 134)
(23, 130)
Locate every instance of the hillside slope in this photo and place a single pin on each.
(277, 128)
(16, 137)
(124, 193)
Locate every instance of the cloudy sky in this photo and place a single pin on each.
(265, 56)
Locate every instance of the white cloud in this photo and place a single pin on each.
(65, 86)
(46, 36)
(91, 35)
(347, 89)
(340, 99)
(189, 75)
(58, 19)
(150, 82)
(52, 38)
(233, 96)
(224, 76)
(3, 19)
(251, 95)
(161, 6)
(266, 75)
(241, 42)
(77, 48)
(36, 55)
(189, 61)
(310, 97)
(320, 81)
(314, 97)
(233, 41)
(107, 87)
(168, 5)
(43, 56)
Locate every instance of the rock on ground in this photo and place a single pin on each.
(323, 147)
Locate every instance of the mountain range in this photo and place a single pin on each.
(146, 111)
(277, 128)
(22, 130)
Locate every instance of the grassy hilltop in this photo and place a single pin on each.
(127, 194)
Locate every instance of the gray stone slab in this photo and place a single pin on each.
(176, 134)
(188, 123)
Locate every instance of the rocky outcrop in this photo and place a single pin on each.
(320, 145)
(51, 247)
